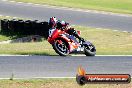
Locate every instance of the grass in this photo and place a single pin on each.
(6, 35)
(119, 6)
(5, 17)
(2, 37)
(107, 42)
(55, 83)
(40, 48)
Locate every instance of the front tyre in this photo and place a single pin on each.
(89, 50)
(61, 47)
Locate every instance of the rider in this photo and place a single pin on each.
(54, 23)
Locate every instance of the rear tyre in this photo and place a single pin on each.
(89, 50)
(61, 47)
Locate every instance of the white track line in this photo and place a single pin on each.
(12, 1)
(15, 17)
(113, 55)
(71, 55)
(74, 9)
(30, 3)
(99, 28)
(19, 2)
(54, 77)
(37, 4)
(124, 31)
(13, 55)
(104, 55)
(43, 78)
(115, 30)
(7, 16)
(4, 0)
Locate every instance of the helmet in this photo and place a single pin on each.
(62, 24)
(52, 22)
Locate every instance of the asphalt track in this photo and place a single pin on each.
(56, 66)
(89, 18)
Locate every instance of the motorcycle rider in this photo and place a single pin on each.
(62, 25)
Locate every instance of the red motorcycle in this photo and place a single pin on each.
(65, 44)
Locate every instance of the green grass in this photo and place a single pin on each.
(5, 17)
(55, 83)
(2, 37)
(40, 48)
(107, 42)
(120, 6)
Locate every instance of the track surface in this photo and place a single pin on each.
(56, 66)
(45, 66)
(92, 19)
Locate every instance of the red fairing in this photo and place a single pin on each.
(79, 33)
(54, 36)
(63, 43)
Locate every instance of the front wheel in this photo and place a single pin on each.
(89, 50)
(61, 47)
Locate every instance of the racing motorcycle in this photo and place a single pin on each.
(65, 44)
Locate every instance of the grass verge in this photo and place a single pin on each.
(55, 83)
(119, 6)
(107, 42)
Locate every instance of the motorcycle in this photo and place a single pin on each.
(65, 44)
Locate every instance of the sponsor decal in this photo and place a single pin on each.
(83, 78)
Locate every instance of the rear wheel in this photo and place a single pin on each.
(89, 50)
(61, 47)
